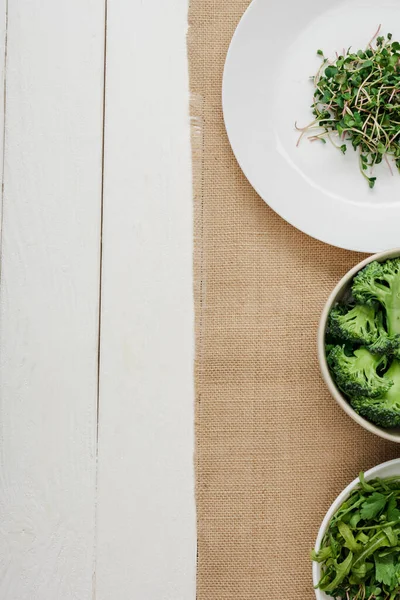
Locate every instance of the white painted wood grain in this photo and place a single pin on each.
(3, 56)
(49, 298)
(146, 520)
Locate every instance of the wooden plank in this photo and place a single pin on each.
(3, 57)
(49, 299)
(146, 520)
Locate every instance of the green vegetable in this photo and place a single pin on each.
(341, 570)
(380, 282)
(373, 506)
(392, 512)
(383, 410)
(363, 343)
(348, 537)
(359, 324)
(357, 99)
(367, 487)
(385, 569)
(357, 375)
(359, 553)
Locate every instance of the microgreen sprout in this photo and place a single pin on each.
(357, 98)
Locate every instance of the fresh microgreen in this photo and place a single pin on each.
(357, 100)
(360, 551)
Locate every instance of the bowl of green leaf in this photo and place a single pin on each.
(357, 551)
(359, 344)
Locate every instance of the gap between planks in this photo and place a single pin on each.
(100, 302)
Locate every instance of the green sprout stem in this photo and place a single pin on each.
(356, 97)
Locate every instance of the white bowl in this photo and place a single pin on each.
(338, 293)
(387, 469)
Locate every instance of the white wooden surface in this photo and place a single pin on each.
(96, 481)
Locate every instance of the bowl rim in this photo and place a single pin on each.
(335, 393)
(332, 509)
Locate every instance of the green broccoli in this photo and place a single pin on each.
(386, 345)
(380, 282)
(363, 338)
(384, 411)
(361, 324)
(357, 375)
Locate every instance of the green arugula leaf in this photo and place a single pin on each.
(391, 536)
(359, 573)
(362, 537)
(355, 518)
(364, 485)
(380, 540)
(341, 570)
(363, 562)
(322, 555)
(348, 537)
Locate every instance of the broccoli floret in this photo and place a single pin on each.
(386, 345)
(361, 324)
(380, 282)
(358, 375)
(384, 411)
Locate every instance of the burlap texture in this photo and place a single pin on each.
(272, 447)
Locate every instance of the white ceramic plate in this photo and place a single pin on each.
(267, 87)
(387, 469)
